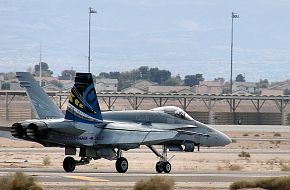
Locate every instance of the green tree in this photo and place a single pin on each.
(5, 86)
(173, 81)
(221, 79)
(127, 78)
(114, 75)
(286, 92)
(45, 72)
(263, 83)
(103, 75)
(67, 75)
(159, 76)
(144, 72)
(191, 80)
(240, 78)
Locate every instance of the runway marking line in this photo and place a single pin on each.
(85, 178)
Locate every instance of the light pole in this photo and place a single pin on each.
(234, 15)
(91, 10)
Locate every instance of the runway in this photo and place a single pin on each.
(58, 175)
(207, 169)
(252, 128)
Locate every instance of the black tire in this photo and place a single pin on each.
(159, 167)
(122, 165)
(69, 164)
(166, 167)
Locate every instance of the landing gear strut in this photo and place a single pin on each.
(121, 163)
(69, 163)
(163, 164)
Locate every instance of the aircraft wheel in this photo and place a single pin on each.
(69, 164)
(166, 167)
(122, 165)
(159, 167)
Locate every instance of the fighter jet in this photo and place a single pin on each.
(95, 134)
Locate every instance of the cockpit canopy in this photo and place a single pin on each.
(174, 111)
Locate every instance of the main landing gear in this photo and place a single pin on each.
(163, 165)
(69, 163)
(121, 163)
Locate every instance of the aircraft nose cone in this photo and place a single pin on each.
(226, 140)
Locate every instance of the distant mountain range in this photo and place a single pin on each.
(185, 37)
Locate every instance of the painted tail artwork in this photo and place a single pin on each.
(83, 104)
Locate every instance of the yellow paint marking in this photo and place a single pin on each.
(77, 102)
(85, 178)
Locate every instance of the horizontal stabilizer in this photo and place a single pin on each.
(42, 104)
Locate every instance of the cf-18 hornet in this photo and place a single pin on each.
(97, 134)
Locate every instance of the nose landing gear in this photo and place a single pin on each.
(163, 165)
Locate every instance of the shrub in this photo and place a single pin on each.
(244, 154)
(277, 135)
(274, 183)
(234, 141)
(243, 184)
(285, 167)
(234, 167)
(275, 142)
(219, 168)
(18, 181)
(155, 183)
(86, 187)
(46, 161)
(245, 134)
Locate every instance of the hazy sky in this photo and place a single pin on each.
(183, 36)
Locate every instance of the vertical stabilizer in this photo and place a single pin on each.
(83, 104)
(42, 104)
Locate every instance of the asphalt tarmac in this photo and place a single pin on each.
(80, 175)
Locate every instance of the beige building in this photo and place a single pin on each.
(134, 90)
(45, 80)
(280, 86)
(272, 92)
(209, 87)
(140, 86)
(106, 85)
(143, 84)
(14, 85)
(168, 89)
(51, 87)
(244, 88)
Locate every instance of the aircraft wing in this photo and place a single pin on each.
(4, 128)
(132, 133)
(5, 132)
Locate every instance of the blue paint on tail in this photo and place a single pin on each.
(83, 103)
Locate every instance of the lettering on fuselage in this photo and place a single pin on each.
(78, 138)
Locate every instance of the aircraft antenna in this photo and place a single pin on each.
(40, 69)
